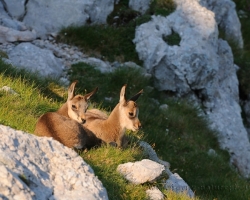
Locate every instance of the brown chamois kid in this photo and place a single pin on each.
(111, 129)
(65, 125)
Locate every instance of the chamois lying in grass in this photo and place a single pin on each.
(65, 125)
(111, 129)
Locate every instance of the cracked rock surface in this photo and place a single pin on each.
(34, 167)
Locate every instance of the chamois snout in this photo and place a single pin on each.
(137, 124)
(82, 117)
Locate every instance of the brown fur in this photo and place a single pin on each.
(63, 128)
(111, 129)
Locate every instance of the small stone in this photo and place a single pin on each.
(141, 171)
(163, 107)
(212, 152)
(154, 194)
(8, 90)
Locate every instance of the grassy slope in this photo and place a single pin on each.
(178, 135)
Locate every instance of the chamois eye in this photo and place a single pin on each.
(131, 114)
(74, 107)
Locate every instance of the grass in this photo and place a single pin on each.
(178, 135)
(242, 56)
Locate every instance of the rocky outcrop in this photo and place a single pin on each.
(47, 18)
(36, 60)
(139, 5)
(40, 168)
(226, 18)
(67, 13)
(16, 9)
(99, 11)
(199, 67)
(12, 35)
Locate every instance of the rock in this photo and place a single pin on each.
(15, 8)
(51, 16)
(34, 167)
(100, 10)
(38, 15)
(3, 13)
(227, 18)
(8, 90)
(101, 65)
(212, 152)
(200, 68)
(141, 171)
(174, 182)
(135, 66)
(139, 5)
(14, 24)
(178, 185)
(154, 194)
(224, 112)
(163, 107)
(150, 152)
(12, 35)
(42, 61)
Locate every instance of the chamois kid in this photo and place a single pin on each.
(65, 125)
(111, 129)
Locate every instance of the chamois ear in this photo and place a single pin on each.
(87, 96)
(135, 97)
(122, 94)
(71, 90)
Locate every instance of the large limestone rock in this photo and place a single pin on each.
(12, 30)
(51, 16)
(201, 68)
(12, 35)
(35, 59)
(140, 5)
(227, 18)
(42, 168)
(100, 10)
(16, 8)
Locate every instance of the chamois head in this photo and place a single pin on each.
(129, 111)
(77, 105)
